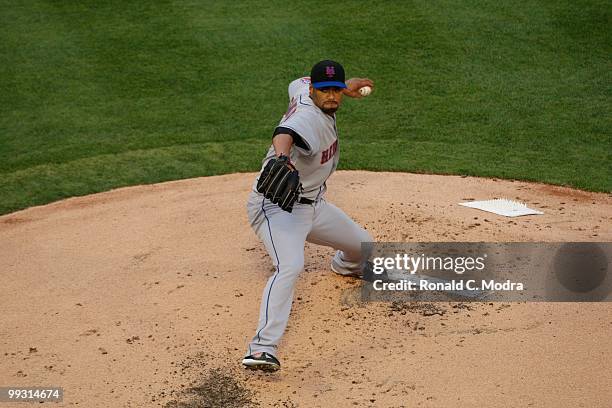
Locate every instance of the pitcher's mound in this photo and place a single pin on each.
(143, 296)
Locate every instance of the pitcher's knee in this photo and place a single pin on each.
(291, 269)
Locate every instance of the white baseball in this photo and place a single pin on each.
(365, 91)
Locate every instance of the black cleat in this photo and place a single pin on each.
(265, 361)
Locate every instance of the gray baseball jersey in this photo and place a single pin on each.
(318, 131)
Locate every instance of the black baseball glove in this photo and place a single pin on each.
(280, 183)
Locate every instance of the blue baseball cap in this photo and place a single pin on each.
(327, 73)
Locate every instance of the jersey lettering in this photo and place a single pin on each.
(329, 152)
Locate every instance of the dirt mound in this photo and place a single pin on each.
(147, 296)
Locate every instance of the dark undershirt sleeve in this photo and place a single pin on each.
(297, 139)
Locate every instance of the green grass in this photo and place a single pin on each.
(102, 94)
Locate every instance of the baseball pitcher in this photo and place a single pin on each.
(287, 206)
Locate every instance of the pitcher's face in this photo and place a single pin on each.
(328, 99)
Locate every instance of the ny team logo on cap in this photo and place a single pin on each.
(327, 73)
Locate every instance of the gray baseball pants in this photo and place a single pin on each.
(284, 235)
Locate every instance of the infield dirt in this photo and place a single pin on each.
(146, 296)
